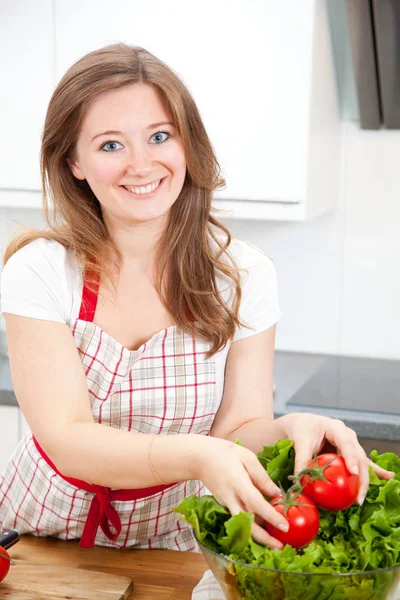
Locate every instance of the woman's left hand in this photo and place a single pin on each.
(310, 433)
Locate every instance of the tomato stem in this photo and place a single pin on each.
(289, 498)
(314, 473)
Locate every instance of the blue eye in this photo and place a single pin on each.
(158, 137)
(109, 143)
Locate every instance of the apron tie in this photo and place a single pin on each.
(101, 513)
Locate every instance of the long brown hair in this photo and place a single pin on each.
(194, 244)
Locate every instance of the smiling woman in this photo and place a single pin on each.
(141, 336)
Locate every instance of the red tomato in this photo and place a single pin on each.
(340, 489)
(4, 564)
(302, 516)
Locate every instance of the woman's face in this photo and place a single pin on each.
(137, 169)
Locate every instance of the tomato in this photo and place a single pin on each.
(302, 516)
(340, 488)
(4, 564)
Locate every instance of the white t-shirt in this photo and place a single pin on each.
(44, 281)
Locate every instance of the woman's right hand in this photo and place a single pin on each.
(237, 480)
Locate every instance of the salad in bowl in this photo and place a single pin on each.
(341, 551)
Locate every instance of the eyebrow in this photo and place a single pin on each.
(114, 132)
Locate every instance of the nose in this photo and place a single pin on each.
(140, 160)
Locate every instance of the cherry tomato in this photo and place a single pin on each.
(4, 564)
(302, 516)
(340, 489)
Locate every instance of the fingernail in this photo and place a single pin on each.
(355, 470)
(277, 547)
(276, 491)
(283, 527)
(361, 500)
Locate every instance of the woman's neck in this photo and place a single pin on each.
(136, 242)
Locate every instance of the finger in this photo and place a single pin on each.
(346, 442)
(260, 477)
(236, 506)
(356, 463)
(256, 503)
(262, 537)
(364, 478)
(303, 455)
(380, 471)
(354, 457)
(258, 532)
(248, 495)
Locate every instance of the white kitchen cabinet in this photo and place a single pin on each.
(21, 198)
(9, 425)
(27, 81)
(262, 75)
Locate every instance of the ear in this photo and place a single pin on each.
(76, 170)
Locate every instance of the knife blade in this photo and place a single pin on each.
(9, 538)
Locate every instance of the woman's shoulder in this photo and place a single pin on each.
(46, 257)
(40, 280)
(256, 268)
(247, 255)
(39, 250)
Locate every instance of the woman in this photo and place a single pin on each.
(140, 336)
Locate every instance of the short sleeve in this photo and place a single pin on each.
(259, 308)
(32, 282)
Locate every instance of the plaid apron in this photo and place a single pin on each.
(167, 386)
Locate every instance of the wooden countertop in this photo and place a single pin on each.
(157, 574)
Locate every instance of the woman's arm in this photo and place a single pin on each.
(51, 389)
(246, 410)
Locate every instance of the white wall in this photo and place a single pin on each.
(339, 274)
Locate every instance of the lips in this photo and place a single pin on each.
(144, 190)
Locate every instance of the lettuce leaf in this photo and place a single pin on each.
(278, 460)
(359, 539)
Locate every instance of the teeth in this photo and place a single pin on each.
(147, 189)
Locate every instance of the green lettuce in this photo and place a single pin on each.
(278, 461)
(360, 539)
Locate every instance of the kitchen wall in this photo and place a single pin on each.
(339, 273)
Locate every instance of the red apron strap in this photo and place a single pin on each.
(101, 511)
(89, 297)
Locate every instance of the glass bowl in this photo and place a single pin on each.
(239, 581)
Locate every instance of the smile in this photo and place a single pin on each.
(145, 190)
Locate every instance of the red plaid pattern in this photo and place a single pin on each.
(167, 386)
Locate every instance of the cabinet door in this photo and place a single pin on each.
(9, 427)
(26, 66)
(247, 63)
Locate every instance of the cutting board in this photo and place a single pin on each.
(34, 581)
